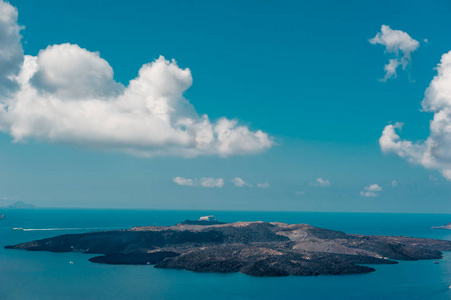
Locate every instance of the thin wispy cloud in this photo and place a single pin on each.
(398, 43)
(433, 179)
(264, 185)
(320, 182)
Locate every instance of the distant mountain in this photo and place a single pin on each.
(21, 205)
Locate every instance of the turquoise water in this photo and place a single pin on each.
(42, 275)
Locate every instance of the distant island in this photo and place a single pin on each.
(20, 205)
(447, 226)
(253, 248)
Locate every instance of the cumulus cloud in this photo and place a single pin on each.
(434, 152)
(397, 42)
(394, 183)
(320, 182)
(237, 181)
(301, 193)
(264, 185)
(11, 53)
(183, 181)
(211, 182)
(373, 188)
(69, 72)
(371, 191)
(67, 94)
(208, 182)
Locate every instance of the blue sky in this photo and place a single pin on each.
(303, 72)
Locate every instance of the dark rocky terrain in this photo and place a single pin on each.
(201, 222)
(253, 248)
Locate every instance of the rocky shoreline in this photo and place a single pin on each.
(253, 248)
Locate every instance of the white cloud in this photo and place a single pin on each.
(211, 182)
(373, 188)
(390, 68)
(11, 53)
(183, 181)
(434, 152)
(394, 183)
(368, 194)
(203, 182)
(264, 185)
(395, 41)
(68, 72)
(237, 181)
(301, 193)
(371, 191)
(320, 182)
(67, 94)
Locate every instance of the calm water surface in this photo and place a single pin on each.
(43, 275)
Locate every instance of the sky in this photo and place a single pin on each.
(226, 105)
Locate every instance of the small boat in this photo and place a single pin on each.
(436, 262)
(71, 262)
(2, 217)
(17, 229)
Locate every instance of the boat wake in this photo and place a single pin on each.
(63, 229)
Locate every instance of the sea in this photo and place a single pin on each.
(44, 275)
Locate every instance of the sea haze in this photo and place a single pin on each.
(44, 275)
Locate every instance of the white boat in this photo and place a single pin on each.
(18, 229)
(208, 218)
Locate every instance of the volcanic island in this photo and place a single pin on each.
(252, 248)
